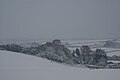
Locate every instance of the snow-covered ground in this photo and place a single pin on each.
(73, 44)
(111, 51)
(17, 66)
(77, 43)
(114, 61)
(117, 53)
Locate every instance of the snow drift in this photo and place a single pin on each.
(17, 66)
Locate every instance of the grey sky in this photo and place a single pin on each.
(36, 19)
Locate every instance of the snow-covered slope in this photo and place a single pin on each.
(17, 66)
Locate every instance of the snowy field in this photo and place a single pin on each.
(111, 51)
(77, 43)
(114, 53)
(114, 61)
(17, 66)
(93, 43)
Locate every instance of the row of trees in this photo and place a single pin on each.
(11, 47)
(86, 56)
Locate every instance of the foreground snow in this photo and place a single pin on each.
(17, 66)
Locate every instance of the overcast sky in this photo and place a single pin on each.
(37, 19)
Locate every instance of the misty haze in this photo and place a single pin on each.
(59, 39)
(36, 19)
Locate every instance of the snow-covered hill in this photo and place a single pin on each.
(17, 66)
